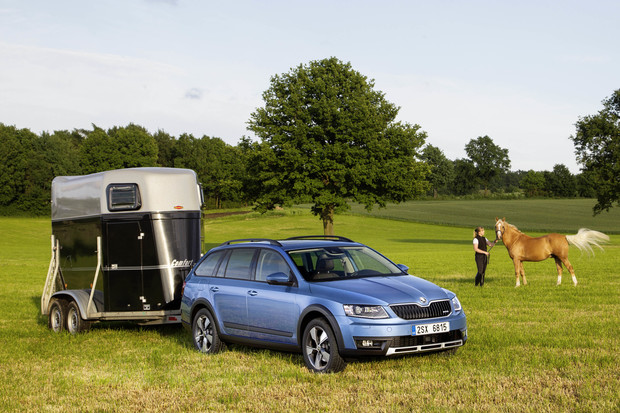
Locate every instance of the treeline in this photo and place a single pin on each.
(29, 162)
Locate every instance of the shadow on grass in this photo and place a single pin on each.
(433, 241)
(173, 331)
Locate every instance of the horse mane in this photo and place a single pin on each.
(513, 226)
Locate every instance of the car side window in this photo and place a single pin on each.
(270, 262)
(240, 263)
(208, 266)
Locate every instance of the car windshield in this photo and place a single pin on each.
(335, 263)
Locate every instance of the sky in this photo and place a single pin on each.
(521, 72)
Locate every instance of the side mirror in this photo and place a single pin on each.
(279, 278)
(403, 268)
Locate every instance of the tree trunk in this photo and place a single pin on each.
(327, 215)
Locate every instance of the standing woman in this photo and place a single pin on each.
(480, 247)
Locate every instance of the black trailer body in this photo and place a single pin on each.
(123, 242)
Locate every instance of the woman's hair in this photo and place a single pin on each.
(477, 231)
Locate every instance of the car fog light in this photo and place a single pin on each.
(370, 344)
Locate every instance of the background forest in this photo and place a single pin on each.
(30, 162)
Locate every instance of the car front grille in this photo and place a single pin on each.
(410, 341)
(417, 312)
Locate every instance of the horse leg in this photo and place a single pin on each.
(517, 264)
(570, 269)
(523, 273)
(558, 265)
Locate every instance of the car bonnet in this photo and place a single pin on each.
(383, 290)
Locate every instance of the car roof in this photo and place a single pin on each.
(295, 243)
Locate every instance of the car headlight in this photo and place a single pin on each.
(365, 311)
(456, 304)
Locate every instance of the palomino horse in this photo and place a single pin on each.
(522, 247)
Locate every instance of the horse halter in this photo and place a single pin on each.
(499, 229)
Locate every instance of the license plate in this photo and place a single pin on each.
(435, 328)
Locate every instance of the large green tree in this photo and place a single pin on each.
(533, 183)
(327, 137)
(14, 155)
(597, 147)
(120, 147)
(488, 158)
(218, 165)
(464, 178)
(560, 182)
(99, 152)
(442, 169)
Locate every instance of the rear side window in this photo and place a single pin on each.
(208, 266)
(240, 263)
(123, 197)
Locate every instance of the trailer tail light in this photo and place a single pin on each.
(173, 318)
(178, 207)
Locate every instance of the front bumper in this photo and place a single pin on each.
(374, 339)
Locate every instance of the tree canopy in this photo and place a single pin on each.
(489, 159)
(327, 137)
(597, 147)
(442, 169)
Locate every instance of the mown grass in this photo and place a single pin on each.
(536, 348)
(559, 215)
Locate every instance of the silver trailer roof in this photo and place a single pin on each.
(161, 190)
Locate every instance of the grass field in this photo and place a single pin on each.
(536, 348)
(559, 215)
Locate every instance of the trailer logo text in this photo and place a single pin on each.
(182, 263)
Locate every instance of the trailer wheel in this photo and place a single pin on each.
(75, 322)
(57, 315)
(206, 338)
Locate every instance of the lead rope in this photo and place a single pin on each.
(489, 250)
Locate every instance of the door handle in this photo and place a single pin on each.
(253, 292)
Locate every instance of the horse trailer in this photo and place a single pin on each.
(122, 243)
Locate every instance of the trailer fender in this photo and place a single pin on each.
(81, 297)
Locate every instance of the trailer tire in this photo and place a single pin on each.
(57, 315)
(204, 333)
(75, 323)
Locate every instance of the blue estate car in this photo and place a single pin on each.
(327, 297)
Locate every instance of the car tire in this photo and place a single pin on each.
(57, 316)
(320, 349)
(204, 331)
(75, 323)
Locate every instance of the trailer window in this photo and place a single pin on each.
(123, 197)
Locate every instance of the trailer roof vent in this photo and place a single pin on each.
(123, 197)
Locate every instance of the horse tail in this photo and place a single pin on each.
(586, 237)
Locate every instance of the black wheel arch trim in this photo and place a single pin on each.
(317, 308)
(196, 306)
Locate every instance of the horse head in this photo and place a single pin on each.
(500, 227)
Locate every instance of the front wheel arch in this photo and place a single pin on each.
(318, 311)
